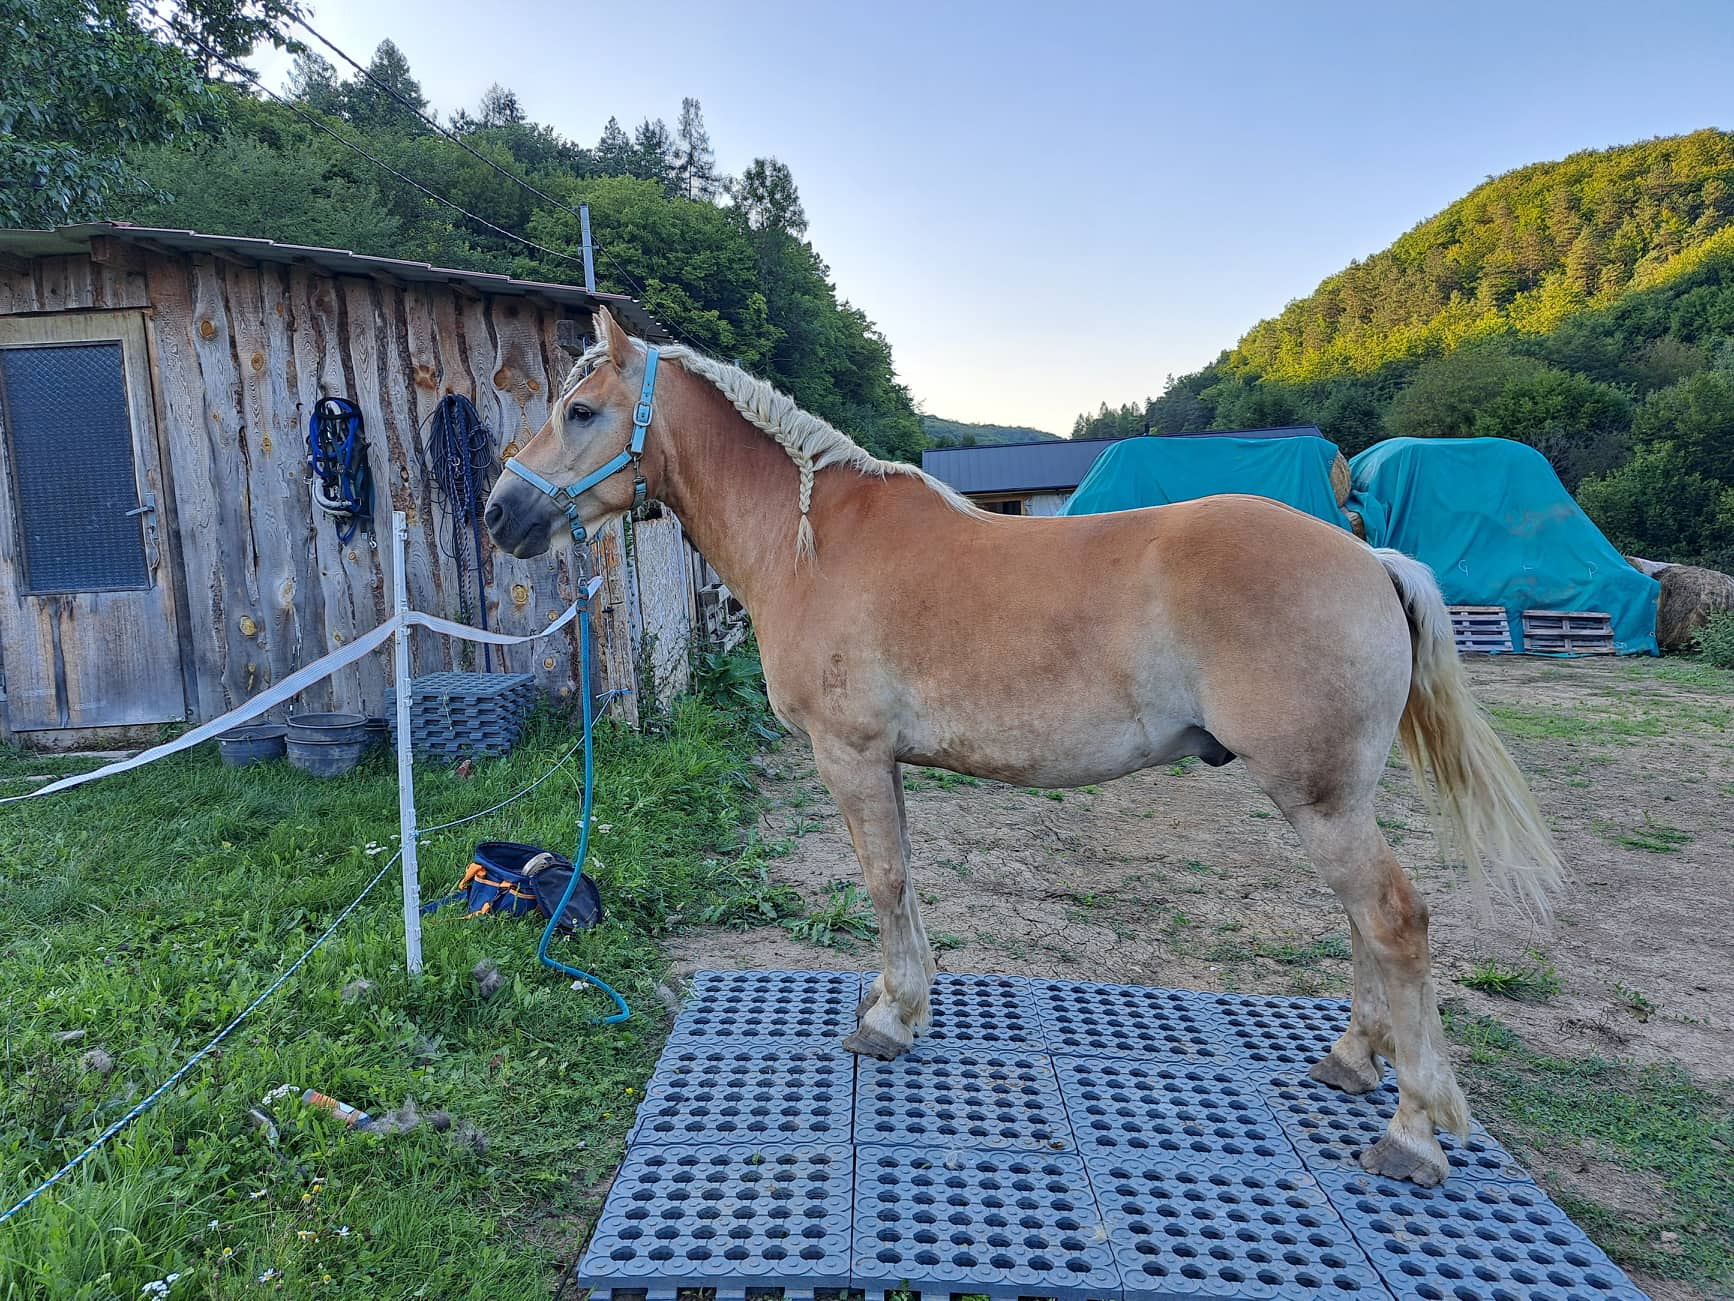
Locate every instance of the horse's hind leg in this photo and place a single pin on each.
(1390, 924)
(868, 793)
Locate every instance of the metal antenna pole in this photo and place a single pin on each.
(589, 250)
(405, 767)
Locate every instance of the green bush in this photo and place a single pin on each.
(1715, 640)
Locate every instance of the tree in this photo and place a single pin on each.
(313, 82)
(653, 154)
(499, 107)
(614, 154)
(766, 198)
(238, 185)
(85, 81)
(1696, 416)
(1578, 424)
(388, 97)
(694, 160)
(1658, 507)
(1447, 393)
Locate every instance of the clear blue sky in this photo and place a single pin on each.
(1048, 206)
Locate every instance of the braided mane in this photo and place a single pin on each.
(811, 443)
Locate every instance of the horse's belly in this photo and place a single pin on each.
(1054, 757)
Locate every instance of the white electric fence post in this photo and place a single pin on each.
(405, 766)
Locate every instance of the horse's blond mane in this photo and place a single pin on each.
(811, 443)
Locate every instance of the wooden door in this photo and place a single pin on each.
(88, 636)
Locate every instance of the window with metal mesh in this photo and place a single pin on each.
(73, 480)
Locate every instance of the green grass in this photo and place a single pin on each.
(1668, 1131)
(1535, 981)
(146, 910)
(1649, 837)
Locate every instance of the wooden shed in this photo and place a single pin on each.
(161, 554)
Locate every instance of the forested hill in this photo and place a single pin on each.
(960, 433)
(1584, 306)
(1522, 252)
(722, 261)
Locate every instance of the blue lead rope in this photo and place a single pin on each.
(583, 831)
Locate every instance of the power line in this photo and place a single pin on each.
(347, 143)
(173, 28)
(480, 157)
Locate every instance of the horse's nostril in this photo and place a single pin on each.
(494, 516)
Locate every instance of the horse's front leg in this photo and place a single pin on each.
(866, 788)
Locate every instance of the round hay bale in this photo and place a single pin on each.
(1341, 483)
(1357, 525)
(1690, 595)
(1653, 568)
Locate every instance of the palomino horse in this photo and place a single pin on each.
(898, 624)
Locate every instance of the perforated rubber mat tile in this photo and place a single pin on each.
(1000, 1224)
(1049, 1139)
(1275, 1035)
(1183, 1229)
(975, 1011)
(1474, 1238)
(1178, 1111)
(730, 1214)
(981, 1098)
(810, 1006)
(752, 1091)
(1330, 1130)
(1088, 1020)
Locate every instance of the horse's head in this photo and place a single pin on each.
(590, 427)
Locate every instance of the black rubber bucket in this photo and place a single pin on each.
(320, 757)
(327, 727)
(251, 743)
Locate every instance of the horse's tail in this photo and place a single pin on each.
(1480, 802)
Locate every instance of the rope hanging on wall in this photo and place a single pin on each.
(460, 454)
(337, 456)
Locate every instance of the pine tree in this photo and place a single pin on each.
(375, 106)
(500, 107)
(694, 160)
(313, 83)
(766, 198)
(614, 156)
(653, 153)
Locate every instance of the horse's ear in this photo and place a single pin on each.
(608, 331)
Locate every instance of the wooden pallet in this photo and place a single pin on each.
(1481, 629)
(1568, 632)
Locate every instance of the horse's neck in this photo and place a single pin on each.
(736, 491)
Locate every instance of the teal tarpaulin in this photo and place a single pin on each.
(1153, 471)
(1493, 521)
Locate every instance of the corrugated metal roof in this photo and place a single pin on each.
(1050, 466)
(1015, 467)
(66, 240)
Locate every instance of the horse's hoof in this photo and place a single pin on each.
(1331, 1070)
(1420, 1161)
(868, 1042)
(866, 1005)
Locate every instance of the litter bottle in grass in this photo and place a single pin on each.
(352, 1117)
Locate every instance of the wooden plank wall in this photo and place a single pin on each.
(241, 352)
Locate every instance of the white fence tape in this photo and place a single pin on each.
(298, 682)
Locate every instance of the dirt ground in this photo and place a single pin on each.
(1187, 877)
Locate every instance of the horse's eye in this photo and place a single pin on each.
(579, 413)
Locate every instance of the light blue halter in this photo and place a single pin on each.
(567, 498)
